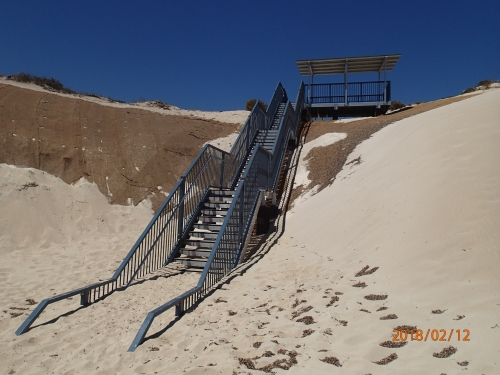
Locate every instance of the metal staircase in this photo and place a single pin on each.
(207, 219)
(195, 248)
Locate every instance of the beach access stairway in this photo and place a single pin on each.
(198, 242)
(207, 219)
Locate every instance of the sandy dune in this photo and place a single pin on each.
(423, 205)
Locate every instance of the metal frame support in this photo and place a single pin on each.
(222, 169)
(310, 84)
(241, 216)
(385, 80)
(182, 187)
(84, 298)
(179, 311)
(345, 81)
(268, 170)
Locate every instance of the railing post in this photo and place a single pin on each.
(345, 82)
(268, 170)
(222, 170)
(181, 207)
(84, 298)
(385, 81)
(178, 309)
(241, 216)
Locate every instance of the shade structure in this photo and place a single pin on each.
(363, 64)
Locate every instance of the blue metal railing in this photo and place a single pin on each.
(357, 92)
(261, 173)
(157, 245)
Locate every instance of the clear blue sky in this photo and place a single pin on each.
(214, 55)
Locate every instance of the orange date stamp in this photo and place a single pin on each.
(431, 334)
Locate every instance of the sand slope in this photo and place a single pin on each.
(423, 206)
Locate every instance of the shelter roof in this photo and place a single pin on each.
(363, 64)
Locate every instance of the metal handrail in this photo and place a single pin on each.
(130, 266)
(242, 194)
(262, 171)
(157, 244)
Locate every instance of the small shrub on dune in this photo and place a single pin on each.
(482, 85)
(250, 103)
(54, 85)
(469, 90)
(396, 104)
(486, 83)
(48, 83)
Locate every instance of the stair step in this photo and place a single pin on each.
(219, 199)
(211, 219)
(208, 226)
(194, 269)
(213, 211)
(219, 193)
(195, 252)
(192, 262)
(199, 244)
(216, 205)
(197, 262)
(205, 235)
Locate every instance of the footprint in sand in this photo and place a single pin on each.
(366, 271)
(360, 285)
(446, 352)
(376, 297)
(393, 344)
(297, 302)
(387, 360)
(308, 332)
(301, 311)
(389, 317)
(332, 361)
(438, 311)
(306, 320)
(332, 301)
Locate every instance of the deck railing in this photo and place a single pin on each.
(357, 92)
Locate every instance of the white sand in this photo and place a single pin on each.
(424, 206)
(350, 119)
(232, 117)
(38, 209)
(225, 143)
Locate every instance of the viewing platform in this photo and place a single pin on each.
(348, 99)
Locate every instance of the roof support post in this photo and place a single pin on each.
(385, 80)
(379, 93)
(310, 84)
(345, 82)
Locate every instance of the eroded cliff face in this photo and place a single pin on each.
(130, 153)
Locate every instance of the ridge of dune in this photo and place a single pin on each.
(421, 210)
(232, 117)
